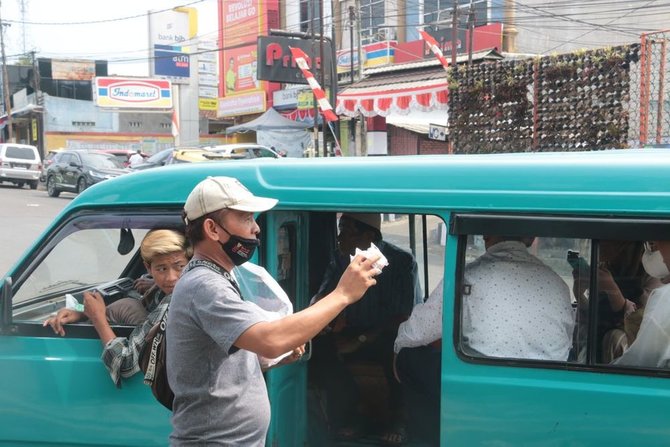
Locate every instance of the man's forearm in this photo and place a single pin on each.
(272, 339)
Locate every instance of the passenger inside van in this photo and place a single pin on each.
(623, 288)
(363, 335)
(165, 253)
(515, 306)
(651, 348)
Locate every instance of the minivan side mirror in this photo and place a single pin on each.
(5, 304)
(74, 164)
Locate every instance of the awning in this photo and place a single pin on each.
(402, 88)
(270, 120)
(20, 112)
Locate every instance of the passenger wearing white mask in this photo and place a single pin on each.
(652, 345)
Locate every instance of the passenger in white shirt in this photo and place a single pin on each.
(136, 159)
(651, 347)
(514, 306)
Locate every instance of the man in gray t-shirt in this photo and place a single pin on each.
(214, 338)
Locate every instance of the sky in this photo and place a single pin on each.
(58, 29)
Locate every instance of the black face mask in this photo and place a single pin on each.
(239, 249)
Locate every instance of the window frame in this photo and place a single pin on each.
(78, 330)
(593, 227)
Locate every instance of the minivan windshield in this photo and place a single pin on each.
(101, 161)
(23, 153)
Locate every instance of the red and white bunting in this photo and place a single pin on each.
(432, 43)
(301, 59)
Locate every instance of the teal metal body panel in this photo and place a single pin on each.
(482, 404)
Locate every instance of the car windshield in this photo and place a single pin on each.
(102, 161)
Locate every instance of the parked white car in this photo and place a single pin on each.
(20, 164)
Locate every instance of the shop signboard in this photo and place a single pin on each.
(244, 104)
(133, 93)
(277, 64)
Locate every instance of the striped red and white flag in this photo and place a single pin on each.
(326, 109)
(432, 43)
(175, 124)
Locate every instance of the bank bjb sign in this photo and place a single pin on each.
(276, 64)
(133, 93)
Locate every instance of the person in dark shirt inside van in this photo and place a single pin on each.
(366, 330)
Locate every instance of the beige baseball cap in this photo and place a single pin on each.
(217, 193)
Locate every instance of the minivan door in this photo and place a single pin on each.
(286, 260)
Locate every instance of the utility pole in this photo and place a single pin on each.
(315, 130)
(5, 80)
(352, 21)
(471, 33)
(323, 71)
(39, 102)
(454, 36)
(509, 30)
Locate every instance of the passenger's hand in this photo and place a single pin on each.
(94, 306)
(357, 278)
(64, 316)
(143, 283)
(395, 368)
(629, 307)
(294, 357)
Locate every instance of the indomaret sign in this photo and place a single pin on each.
(133, 93)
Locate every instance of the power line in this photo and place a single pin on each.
(94, 22)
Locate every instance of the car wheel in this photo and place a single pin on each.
(19, 185)
(51, 187)
(33, 184)
(81, 185)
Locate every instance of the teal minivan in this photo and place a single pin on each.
(56, 391)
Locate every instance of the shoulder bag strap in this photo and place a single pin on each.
(155, 344)
(216, 268)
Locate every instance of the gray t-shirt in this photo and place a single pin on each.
(220, 393)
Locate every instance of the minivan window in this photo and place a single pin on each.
(23, 153)
(575, 300)
(84, 254)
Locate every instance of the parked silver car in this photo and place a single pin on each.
(246, 150)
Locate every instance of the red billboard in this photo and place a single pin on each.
(240, 24)
(484, 37)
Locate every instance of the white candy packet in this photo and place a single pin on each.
(72, 303)
(371, 252)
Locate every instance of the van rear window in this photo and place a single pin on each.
(22, 153)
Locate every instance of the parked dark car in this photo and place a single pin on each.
(76, 170)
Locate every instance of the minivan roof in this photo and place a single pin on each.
(623, 181)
